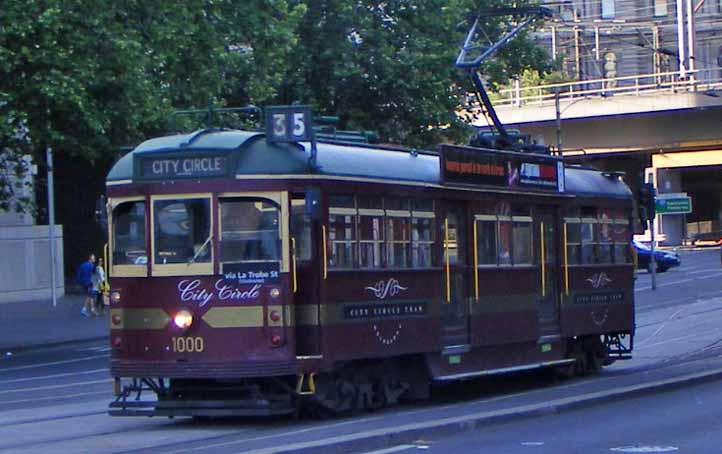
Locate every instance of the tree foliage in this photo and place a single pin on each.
(89, 76)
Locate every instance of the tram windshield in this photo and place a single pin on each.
(129, 247)
(249, 231)
(182, 230)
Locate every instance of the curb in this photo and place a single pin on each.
(51, 344)
(410, 433)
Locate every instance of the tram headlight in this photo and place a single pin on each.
(115, 297)
(183, 319)
(275, 292)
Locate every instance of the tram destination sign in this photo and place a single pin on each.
(472, 166)
(168, 167)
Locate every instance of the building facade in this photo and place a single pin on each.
(643, 95)
(25, 251)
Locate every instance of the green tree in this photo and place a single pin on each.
(388, 66)
(88, 76)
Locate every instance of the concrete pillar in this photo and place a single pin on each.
(672, 226)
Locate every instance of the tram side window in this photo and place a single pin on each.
(486, 242)
(398, 231)
(574, 240)
(129, 246)
(371, 232)
(342, 232)
(522, 250)
(301, 228)
(249, 231)
(422, 234)
(182, 231)
(621, 236)
(605, 246)
(588, 241)
(505, 240)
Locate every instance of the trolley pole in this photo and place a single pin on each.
(51, 224)
(653, 260)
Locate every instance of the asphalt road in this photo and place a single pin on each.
(55, 400)
(682, 421)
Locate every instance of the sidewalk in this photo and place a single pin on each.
(37, 323)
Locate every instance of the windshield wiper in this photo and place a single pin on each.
(203, 246)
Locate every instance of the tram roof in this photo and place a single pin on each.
(250, 154)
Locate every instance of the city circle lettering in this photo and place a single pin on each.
(193, 291)
(189, 166)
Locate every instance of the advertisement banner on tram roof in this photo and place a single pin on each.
(472, 166)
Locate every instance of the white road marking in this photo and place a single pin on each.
(67, 385)
(53, 363)
(390, 450)
(667, 341)
(64, 396)
(645, 449)
(43, 377)
(666, 284)
(661, 327)
(532, 443)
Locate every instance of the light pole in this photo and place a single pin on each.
(51, 224)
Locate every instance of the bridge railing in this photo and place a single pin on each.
(641, 84)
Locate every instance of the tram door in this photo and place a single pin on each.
(455, 288)
(306, 264)
(548, 254)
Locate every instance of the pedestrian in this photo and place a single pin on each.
(100, 284)
(84, 278)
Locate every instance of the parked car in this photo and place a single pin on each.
(665, 259)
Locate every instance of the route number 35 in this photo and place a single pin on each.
(187, 344)
(288, 124)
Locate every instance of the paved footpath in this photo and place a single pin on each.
(37, 323)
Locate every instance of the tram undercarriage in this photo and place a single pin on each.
(352, 387)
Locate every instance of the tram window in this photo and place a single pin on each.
(182, 231)
(574, 241)
(422, 234)
(249, 231)
(341, 201)
(505, 241)
(301, 228)
(398, 234)
(486, 242)
(522, 252)
(622, 251)
(129, 246)
(587, 242)
(342, 236)
(605, 247)
(370, 202)
(371, 240)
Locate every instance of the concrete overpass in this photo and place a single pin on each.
(657, 128)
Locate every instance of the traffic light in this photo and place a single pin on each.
(646, 201)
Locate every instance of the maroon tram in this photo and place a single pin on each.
(251, 276)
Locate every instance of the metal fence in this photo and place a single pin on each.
(701, 80)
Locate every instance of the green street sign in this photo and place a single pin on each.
(673, 205)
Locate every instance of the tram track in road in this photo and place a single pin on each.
(443, 404)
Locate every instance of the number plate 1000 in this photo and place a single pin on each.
(187, 344)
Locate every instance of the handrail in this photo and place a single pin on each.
(325, 256)
(647, 83)
(476, 262)
(446, 255)
(566, 262)
(543, 260)
(293, 262)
